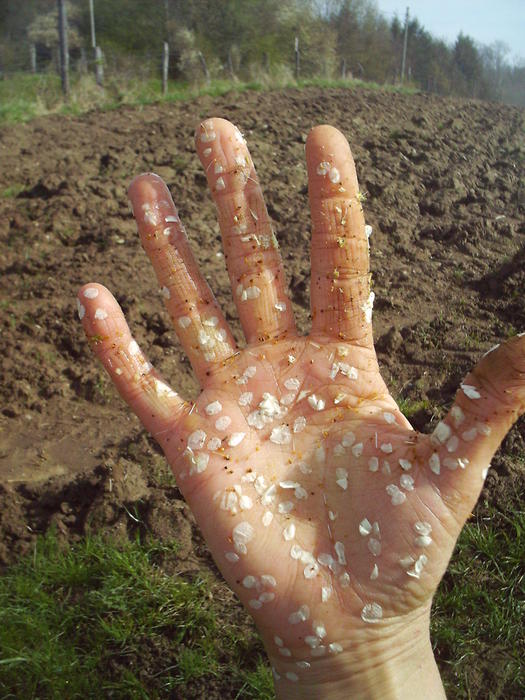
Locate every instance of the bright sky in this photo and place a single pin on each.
(485, 21)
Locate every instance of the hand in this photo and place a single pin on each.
(330, 517)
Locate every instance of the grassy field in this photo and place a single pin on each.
(24, 97)
(101, 619)
(95, 618)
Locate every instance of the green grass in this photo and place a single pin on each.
(104, 620)
(354, 82)
(409, 407)
(11, 192)
(101, 620)
(24, 97)
(479, 611)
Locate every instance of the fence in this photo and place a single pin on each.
(161, 64)
(303, 53)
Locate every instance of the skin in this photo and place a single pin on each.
(328, 466)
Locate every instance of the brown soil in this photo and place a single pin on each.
(446, 198)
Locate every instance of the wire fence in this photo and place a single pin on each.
(162, 64)
(180, 59)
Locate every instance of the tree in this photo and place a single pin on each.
(363, 38)
(43, 30)
(494, 67)
(468, 65)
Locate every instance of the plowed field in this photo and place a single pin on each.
(445, 196)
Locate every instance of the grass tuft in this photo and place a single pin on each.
(479, 610)
(409, 407)
(12, 191)
(99, 620)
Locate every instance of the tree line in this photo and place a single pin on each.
(245, 38)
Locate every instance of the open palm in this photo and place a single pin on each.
(326, 512)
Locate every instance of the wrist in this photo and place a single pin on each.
(399, 664)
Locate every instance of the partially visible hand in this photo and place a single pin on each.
(329, 516)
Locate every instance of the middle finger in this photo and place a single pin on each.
(250, 247)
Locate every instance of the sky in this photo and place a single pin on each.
(485, 21)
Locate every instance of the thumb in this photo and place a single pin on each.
(490, 399)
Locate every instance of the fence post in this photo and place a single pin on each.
(204, 68)
(97, 51)
(230, 66)
(64, 53)
(405, 41)
(343, 69)
(165, 67)
(99, 66)
(92, 24)
(297, 58)
(82, 62)
(32, 57)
